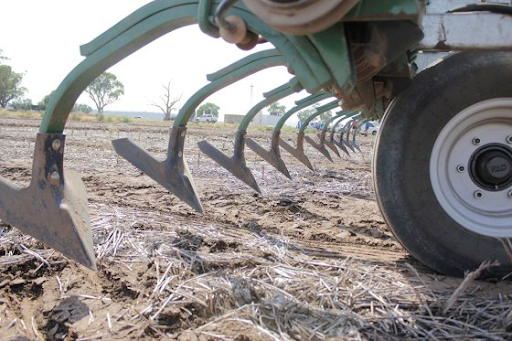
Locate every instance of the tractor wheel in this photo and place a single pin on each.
(443, 164)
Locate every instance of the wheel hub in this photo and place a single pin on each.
(491, 167)
(471, 168)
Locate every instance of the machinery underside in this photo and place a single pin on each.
(443, 157)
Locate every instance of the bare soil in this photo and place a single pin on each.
(308, 259)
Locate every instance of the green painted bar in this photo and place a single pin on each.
(319, 111)
(301, 104)
(284, 90)
(196, 99)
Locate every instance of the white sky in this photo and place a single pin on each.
(42, 39)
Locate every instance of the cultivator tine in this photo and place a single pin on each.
(332, 139)
(53, 208)
(340, 142)
(320, 146)
(272, 156)
(329, 141)
(236, 164)
(173, 173)
(332, 147)
(356, 131)
(347, 142)
(298, 151)
(320, 110)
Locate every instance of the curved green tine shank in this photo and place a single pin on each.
(273, 155)
(340, 142)
(236, 164)
(347, 141)
(227, 76)
(298, 151)
(356, 131)
(333, 131)
(325, 128)
(320, 146)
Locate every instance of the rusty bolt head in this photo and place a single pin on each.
(54, 177)
(56, 144)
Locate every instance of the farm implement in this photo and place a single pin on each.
(442, 162)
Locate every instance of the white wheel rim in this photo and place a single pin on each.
(486, 212)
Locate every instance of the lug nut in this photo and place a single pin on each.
(478, 194)
(461, 168)
(56, 144)
(476, 141)
(510, 194)
(54, 177)
(509, 139)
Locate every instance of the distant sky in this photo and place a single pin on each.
(42, 39)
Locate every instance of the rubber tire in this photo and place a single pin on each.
(401, 162)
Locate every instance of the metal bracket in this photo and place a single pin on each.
(53, 208)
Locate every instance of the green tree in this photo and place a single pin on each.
(83, 108)
(105, 90)
(167, 102)
(304, 114)
(208, 108)
(46, 99)
(22, 104)
(325, 116)
(276, 109)
(10, 85)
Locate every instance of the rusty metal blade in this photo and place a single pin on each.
(320, 147)
(298, 152)
(236, 164)
(272, 156)
(53, 208)
(173, 173)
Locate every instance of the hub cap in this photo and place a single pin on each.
(471, 168)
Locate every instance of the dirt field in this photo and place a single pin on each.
(309, 259)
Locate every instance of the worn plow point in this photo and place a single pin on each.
(53, 208)
(272, 156)
(173, 173)
(298, 152)
(320, 146)
(235, 164)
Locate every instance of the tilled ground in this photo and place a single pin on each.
(308, 259)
